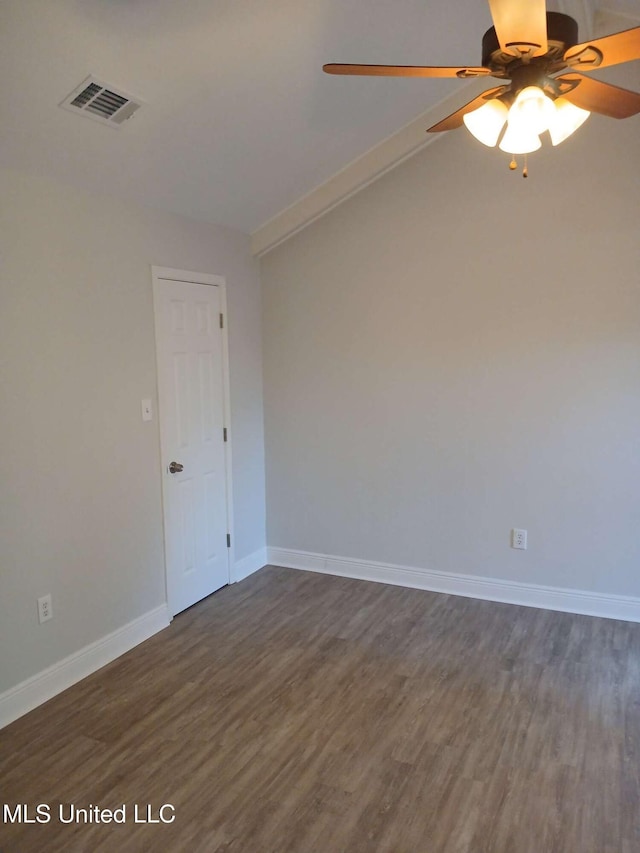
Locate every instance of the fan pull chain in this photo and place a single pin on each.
(514, 165)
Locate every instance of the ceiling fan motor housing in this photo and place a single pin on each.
(562, 33)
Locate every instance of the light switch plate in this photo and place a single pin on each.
(147, 411)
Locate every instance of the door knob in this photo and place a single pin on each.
(175, 468)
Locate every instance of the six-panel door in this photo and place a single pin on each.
(191, 404)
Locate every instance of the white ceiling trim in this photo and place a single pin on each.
(360, 172)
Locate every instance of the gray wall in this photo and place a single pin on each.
(80, 489)
(455, 352)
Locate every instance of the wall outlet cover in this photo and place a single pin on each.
(45, 609)
(519, 539)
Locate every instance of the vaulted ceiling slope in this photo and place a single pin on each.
(238, 122)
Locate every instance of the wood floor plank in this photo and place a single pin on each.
(315, 714)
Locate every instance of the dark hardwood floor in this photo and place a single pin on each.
(313, 714)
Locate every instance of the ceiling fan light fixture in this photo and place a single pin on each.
(532, 48)
(518, 140)
(532, 111)
(487, 121)
(567, 119)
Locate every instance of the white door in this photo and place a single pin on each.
(191, 385)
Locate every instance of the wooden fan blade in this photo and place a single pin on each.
(599, 97)
(610, 50)
(403, 70)
(455, 120)
(521, 26)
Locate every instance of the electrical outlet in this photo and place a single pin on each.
(45, 609)
(519, 539)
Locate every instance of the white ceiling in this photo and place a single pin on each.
(239, 120)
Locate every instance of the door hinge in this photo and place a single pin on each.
(224, 433)
(228, 540)
(222, 321)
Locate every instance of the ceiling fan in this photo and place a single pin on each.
(538, 53)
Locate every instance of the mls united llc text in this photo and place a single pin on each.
(69, 813)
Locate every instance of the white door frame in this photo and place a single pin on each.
(160, 274)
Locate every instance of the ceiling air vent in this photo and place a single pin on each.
(101, 102)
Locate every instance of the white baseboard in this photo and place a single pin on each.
(27, 695)
(250, 564)
(491, 589)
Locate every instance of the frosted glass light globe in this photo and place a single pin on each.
(532, 111)
(568, 118)
(487, 121)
